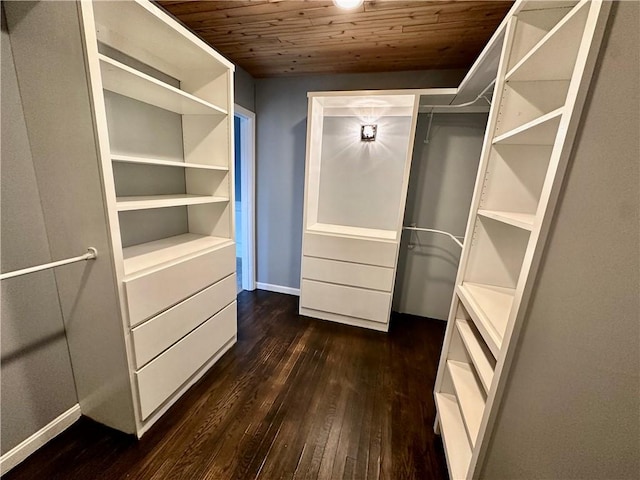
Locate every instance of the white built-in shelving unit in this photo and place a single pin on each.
(149, 131)
(163, 102)
(548, 53)
(355, 193)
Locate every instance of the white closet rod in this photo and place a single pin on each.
(91, 254)
(441, 232)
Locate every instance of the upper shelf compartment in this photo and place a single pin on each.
(554, 56)
(536, 20)
(124, 80)
(143, 31)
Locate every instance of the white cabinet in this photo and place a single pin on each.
(355, 192)
(545, 68)
(149, 127)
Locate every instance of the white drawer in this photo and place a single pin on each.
(345, 273)
(349, 301)
(159, 333)
(347, 249)
(164, 375)
(155, 291)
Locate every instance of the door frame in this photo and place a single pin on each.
(248, 189)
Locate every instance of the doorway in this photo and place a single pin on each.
(244, 145)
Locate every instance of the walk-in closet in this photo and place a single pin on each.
(355, 239)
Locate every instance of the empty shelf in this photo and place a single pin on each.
(520, 220)
(144, 202)
(469, 395)
(454, 436)
(541, 131)
(147, 255)
(124, 80)
(489, 307)
(165, 163)
(481, 359)
(554, 56)
(353, 231)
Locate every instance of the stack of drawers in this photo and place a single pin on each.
(348, 279)
(174, 330)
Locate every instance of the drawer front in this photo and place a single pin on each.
(159, 333)
(357, 250)
(151, 293)
(349, 301)
(164, 375)
(345, 273)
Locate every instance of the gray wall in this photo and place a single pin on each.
(443, 174)
(281, 104)
(244, 89)
(361, 182)
(37, 381)
(572, 399)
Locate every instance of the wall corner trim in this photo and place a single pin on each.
(25, 448)
(278, 288)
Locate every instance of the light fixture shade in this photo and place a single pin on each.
(368, 133)
(348, 4)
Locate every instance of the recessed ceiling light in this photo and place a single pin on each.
(348, 4)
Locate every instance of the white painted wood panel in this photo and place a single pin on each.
(470, 396)
(120, 78)
(345, 273)
(159, 333)
(454, 437)
(350, 301)
(148, 294)
(164, 375)
(143, 202)
(356, 250)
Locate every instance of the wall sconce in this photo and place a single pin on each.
(368, 133)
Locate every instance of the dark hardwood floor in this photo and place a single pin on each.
(295, 398)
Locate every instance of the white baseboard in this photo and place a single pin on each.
(278, 289)
(21, 451)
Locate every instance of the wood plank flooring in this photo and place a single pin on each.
(296, 398)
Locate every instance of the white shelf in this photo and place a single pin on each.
(470, 397)
(145, 202)
(145, 32)
(541, 131)
(454, 436)
(165, 163)
(554, 57)
(148, 255)
(520, 220)
(124, 80)
(479, 357)
(489, 307)
(352, 231)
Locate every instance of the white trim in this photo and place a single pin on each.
(248, 187)
(25, 448)
(277, 288)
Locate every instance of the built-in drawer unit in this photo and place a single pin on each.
(346, 273)
(165, 374)
(342, 300)
(152, 292)
(350, 249)
(156, 335)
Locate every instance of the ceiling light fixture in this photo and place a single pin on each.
(348, 4)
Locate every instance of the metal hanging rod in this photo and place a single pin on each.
(441, 232)
(91, 254)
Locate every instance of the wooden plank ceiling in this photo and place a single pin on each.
(270, 38)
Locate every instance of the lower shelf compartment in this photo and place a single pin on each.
(454, 436)
(489, 307)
